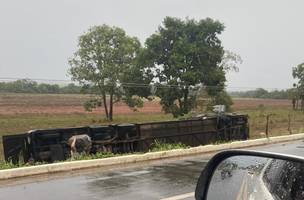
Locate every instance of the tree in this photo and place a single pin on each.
(104, 61)
(184, 56)
(223, 98)
(21, 86)
(48, 88)
(71, 88)
(230, 61)
(260, 93)
(298, 73)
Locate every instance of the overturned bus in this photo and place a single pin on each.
(50, 145)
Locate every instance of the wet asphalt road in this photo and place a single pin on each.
(154, 180)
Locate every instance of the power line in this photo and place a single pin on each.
(139, 85)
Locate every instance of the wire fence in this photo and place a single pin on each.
(276, 122)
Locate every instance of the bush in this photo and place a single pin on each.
(221, 98)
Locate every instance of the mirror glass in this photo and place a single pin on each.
(257, 178)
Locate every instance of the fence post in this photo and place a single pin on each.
(289, 121)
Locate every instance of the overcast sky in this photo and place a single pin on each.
(38, 36)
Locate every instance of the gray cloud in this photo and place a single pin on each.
(37, 37)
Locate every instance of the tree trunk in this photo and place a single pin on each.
(180, 103)
(111, 107)
(186, 101)
(297, 103)
(105, 105)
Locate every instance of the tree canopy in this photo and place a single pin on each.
(298, 73)
(185, 55)
(105, 58)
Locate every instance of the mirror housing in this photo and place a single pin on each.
(205, 178)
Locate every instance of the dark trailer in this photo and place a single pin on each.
(196, 131)
(50, 145)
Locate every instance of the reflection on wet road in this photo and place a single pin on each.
(148, 182)
(156, 180)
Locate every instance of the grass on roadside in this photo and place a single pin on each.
(11, 165)
(98, 155)
(157, 146)
(162, 146)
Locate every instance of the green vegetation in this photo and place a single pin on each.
(10, 165)
(105, 61)
(263, 94)
(222, 98)
(162, 146)
(298, 98)
(98, 155)
(191, 57)
(223, 142)
(32, 87)
(179, 59)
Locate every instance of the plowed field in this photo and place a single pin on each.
(68, 104)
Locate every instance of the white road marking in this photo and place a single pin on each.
(181, 196)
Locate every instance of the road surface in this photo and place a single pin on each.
(171, 179)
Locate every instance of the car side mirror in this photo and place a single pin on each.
(252, 175)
